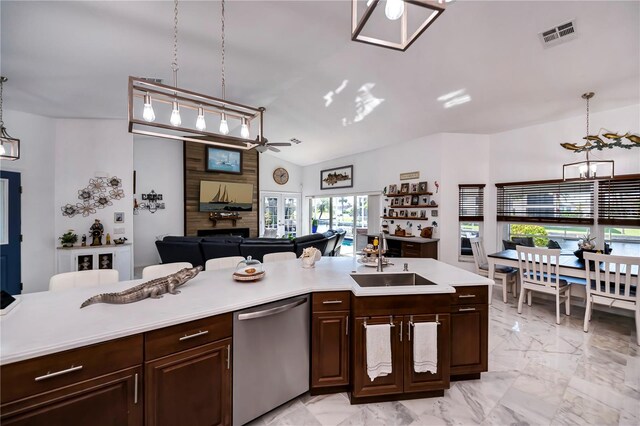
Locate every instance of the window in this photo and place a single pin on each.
(279, 214)
(619, 202)
(623, 241)
(348, 212)
(566, 236)
(470, 215)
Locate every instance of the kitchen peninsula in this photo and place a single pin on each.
(52, 351)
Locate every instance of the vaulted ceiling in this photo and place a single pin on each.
(72, 60)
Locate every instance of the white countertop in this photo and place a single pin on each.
(49, 322)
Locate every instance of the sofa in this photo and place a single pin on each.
(197, 250)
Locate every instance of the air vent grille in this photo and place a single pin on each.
(152, 80)
(560, 34)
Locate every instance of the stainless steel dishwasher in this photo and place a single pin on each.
(270, 356)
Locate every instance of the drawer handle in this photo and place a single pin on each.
(191, 336)
(58, 373)
(332, 302)
(466, 296)
(466, 309)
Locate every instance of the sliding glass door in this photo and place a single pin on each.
(347, 212)
(280, 214)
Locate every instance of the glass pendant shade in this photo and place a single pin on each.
(244, 129)
(394, 9)
(148, 114)
(224, 126)
(9, 146)
(200, 123)
(175, 115)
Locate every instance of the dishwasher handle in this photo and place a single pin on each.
(272, 311)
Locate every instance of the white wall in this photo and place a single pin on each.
(36, 166)
(270, 162)
(84, 147)
(158, 164)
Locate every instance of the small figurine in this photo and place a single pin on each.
(84, 240)
(108, 239)
(96, 230)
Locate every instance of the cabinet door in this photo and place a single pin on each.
(330, 349)
(110, 400)
(386, 385)
(190, 388)
(469, 339)
(417, 382)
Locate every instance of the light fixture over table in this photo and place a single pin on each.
(371, 22)
(9, 146)
(183, 114)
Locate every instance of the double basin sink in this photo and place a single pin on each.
(390, 280)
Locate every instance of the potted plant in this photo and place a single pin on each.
(69, 238)
(314, 226)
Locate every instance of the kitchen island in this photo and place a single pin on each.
(49, 325)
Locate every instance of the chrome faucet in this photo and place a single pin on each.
(382, 247)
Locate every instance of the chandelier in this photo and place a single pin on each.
(164, 111)
(587, 169)
(402, 22)
(9, 146)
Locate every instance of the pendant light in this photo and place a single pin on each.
(224, 126)
(9, 146)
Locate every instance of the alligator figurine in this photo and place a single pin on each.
(154, 289)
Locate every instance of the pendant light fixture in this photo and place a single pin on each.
(156, 109)
(588, 169)
(407, 30)
(9, 146)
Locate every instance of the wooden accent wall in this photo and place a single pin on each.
(194, 172)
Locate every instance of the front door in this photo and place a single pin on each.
(280, 214)
(10, 232)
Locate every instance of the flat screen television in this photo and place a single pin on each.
(218, 196)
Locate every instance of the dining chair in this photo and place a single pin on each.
(507, 275)
(75, 279)
(157, 271)
(612, 284)
(539, 272)
(222, 263)
(274, 257)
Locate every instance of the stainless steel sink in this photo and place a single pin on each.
(390, 280)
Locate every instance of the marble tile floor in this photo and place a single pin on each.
(539, 373)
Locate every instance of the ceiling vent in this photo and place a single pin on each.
(152, 80)
(560, 34)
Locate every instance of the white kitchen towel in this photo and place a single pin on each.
(378, 350)
(425, 347)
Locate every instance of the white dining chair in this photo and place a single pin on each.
(612, 284)
(222, 263)
(539, 272)
(75, 279)
(275, 257)
(157, 271)
(508, 276)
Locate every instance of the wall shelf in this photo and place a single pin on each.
(418, 206)
(404, 217)
(408, 193)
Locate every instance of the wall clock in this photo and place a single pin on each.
(281, 176)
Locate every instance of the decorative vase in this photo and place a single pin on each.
(308, 262)
(67, 245)
(314, 229)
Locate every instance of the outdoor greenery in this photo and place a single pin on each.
(539, 233)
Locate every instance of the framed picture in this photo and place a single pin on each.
(224, 160)
(118, 217)
(391, 212)
(414, 188)
(396, 201)
(423, 214)
(407, 200)
(339, 177)
(413, 213)
(393, 189)
(424, 200)
(404, 188)
(225, 197)
(403, 213)
(434, 213)
(422, 187)
(415, 200)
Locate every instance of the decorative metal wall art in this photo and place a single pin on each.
(150, 201)
(98, 194)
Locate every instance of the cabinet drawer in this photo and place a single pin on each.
(45, 373)
(168, 340)
(331, 301)
(469, 295)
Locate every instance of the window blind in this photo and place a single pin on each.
(619, 202)
(546, 201)
(471, 202)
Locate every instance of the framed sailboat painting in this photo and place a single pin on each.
(225, 196)
(223, 160)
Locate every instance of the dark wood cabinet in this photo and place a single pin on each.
(330, 330)
(190, 388)
(426, 381)
(469, 333)
(409, 247)
(110, 400)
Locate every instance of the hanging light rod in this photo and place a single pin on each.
(144, 93)
(394, 10)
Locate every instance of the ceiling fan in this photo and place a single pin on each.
(265, 145)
